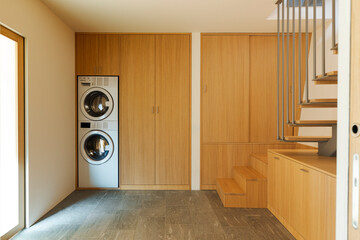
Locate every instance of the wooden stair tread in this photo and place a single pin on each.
(261, 156)
(314, 123)
(320, 103)
(328, 79)
(324, 100)
(229, 186)
(249, 173)
(332, 73)
(307, 138)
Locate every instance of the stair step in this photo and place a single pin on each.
(254, 184)
(230, 187)
(260, 156)
(248, 173)
(230, 193)
(258, 161)
(329, 74)
(320, 103)
(328, 78)
(313, 123)
(306, 139)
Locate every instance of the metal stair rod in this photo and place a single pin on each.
(323, 38)
(278, 70)
(293, 64)
(283, 69)
(333, 25)
(307, 53)
(314, 40)
(299, 52)
(287, 62)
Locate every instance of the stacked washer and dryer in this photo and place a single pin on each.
(98, 132)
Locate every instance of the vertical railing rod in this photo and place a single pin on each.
(283, 69)
(307, 53)
(293, 63)
(299, 57)
(278, 70)
(287, 62)
(323, 38)
(314, 39)
(333, 25)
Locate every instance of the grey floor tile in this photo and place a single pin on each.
(152, 215)
(178, 215)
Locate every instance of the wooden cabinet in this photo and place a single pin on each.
(225, 89)
(173, 109)
(301, 197)
(97, 54)
(137, 115)
(155, 110)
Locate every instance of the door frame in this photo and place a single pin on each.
(21, 127)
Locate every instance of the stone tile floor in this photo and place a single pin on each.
(152, 215)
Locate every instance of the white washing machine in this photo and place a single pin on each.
(98, 98)
(98, 160)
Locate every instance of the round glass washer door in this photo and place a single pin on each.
(96, 104)
(97, 147)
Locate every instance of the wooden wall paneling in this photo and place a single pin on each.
(208, 164)
(109, 54)
(263, 90)
(173, 109)
(86, 54)
(354, 142)
(263, 148)
(225, 89)
(137, 109)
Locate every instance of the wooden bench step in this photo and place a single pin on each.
(313, 123)
(260, 156)
(259, 162)
(230, 193)
(306, 138)
(248, 173)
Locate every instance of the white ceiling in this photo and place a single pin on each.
(165, 15)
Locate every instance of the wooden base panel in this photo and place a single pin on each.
(286, 224)
(208, 186)
(155, 187)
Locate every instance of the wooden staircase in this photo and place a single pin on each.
(290, 78)
(248, 186)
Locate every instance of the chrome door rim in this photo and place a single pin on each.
(106, 114)
(85, 155)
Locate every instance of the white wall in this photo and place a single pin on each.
(195, 114)
(50, 98)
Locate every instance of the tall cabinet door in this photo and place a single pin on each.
(86, 54)
(173, 109)
(137, 115)
(109, 60)
(225, 89)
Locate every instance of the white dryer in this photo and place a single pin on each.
(98, 98)
(98, 161)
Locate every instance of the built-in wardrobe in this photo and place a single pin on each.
(154, 103)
